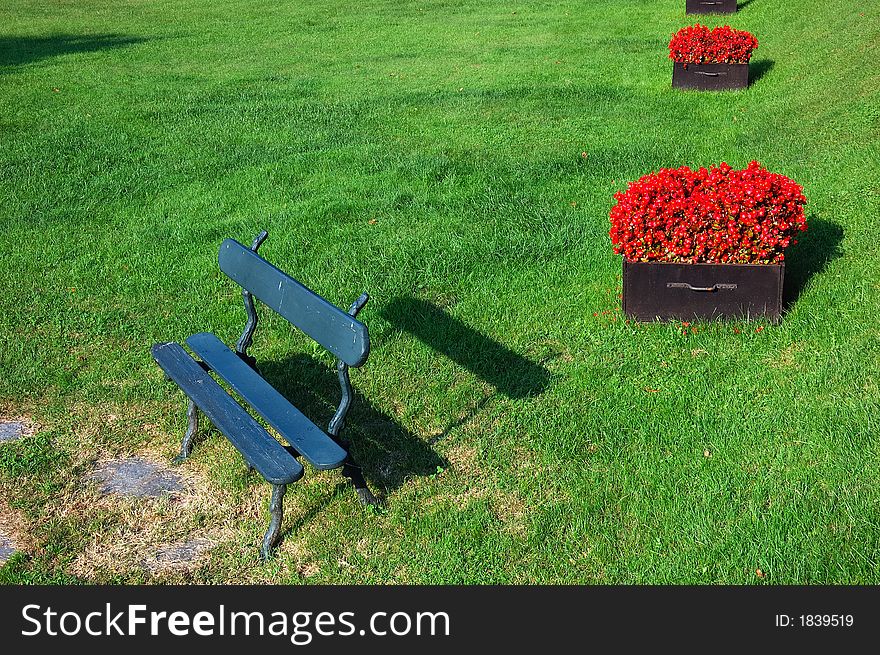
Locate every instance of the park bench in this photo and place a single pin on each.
(337, 331)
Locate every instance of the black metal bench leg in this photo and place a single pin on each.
(192, 418)
(276, 509)
(353, 472)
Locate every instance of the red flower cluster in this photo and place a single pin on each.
(723, 45)
(715, 215)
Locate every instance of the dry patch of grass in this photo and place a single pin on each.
(467, 481)
(787, 358)
(179, 557)
(135, 534)
(511, 510)
(168, 538)
(116, 428)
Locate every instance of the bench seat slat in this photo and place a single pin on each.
(306, 437)
(257, 446)
(337, 331)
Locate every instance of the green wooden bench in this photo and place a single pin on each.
(338, 331)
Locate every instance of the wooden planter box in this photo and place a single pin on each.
(710, 77)
(655, 290)
(710, 6)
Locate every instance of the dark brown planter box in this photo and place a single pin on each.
(710, 77)
(710, 6)
(661, 290)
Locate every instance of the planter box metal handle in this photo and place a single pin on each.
(712, 289)
(709, 74)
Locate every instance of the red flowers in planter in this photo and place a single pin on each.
(723, 45)
(715, 215)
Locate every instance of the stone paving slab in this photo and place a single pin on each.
(7, 547)
(13, 430)
(136, 477)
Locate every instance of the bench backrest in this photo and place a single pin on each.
(337, 331)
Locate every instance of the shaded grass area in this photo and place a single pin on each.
(457, 160)
(17, 51)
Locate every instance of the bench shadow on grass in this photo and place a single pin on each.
(387, 453)
(758, 69)
(510, 373)
(20, 50)
(815, 248)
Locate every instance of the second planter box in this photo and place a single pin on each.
(662, 290)
(710, 6)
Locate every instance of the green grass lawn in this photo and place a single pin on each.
(430, 153)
